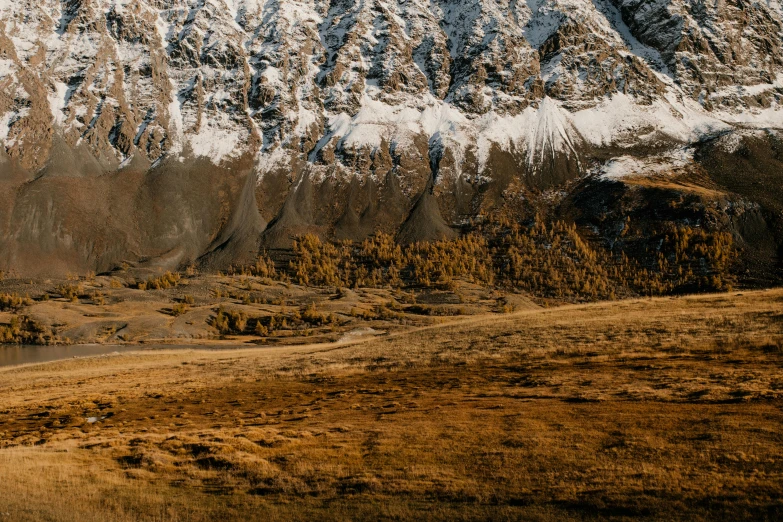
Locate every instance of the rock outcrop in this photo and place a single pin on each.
(355, 96)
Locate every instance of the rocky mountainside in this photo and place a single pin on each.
(170, 131)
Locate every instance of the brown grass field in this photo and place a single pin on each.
(663, 409)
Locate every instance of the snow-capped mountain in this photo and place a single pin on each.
(468, 94)
(279, 78)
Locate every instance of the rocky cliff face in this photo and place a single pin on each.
(343, 112)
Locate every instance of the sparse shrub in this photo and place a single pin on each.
(163, 282)
(179, 309)
(260, 329)
(312, 316)
(264, 267)
(229, 321)
(220, 322)
(772, 345)
(70, 292)
(24, 330)
(13, 302)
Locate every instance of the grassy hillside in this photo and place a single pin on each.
(322, 289)
(665, 408)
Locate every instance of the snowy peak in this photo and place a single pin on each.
(331, 84)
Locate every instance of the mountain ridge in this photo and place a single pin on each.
(514, 100)
(223, 78)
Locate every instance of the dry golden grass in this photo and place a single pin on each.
(651, 409)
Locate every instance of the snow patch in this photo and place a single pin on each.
(620, 120)
(731, 142)
(304, 120)
(541, 131)
(630, 166)
(377, 121)
(268, 161)
(748, 90)
(217, 142)
(770, 117)
(359, 333)
(176, 121)
(5, 123)
(58, 100)
(545, 20)
(7, 67)
(166, 29)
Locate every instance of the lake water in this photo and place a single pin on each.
(11, 355)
